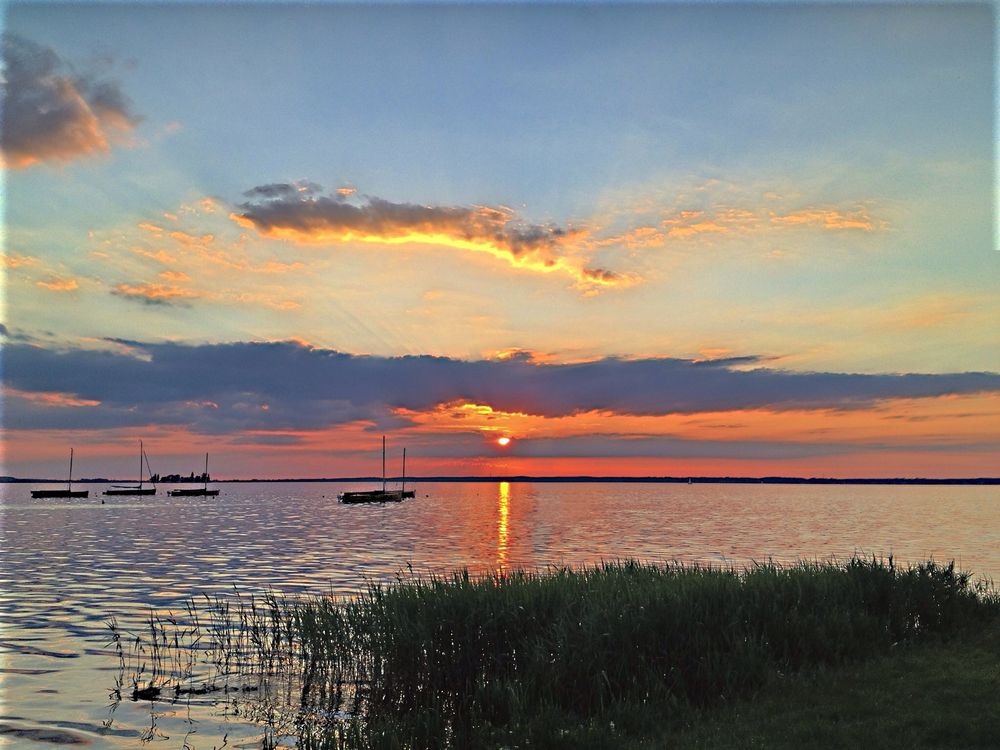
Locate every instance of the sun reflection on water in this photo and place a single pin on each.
(503, 511)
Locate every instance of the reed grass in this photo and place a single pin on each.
(574, 657)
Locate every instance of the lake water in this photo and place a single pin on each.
(66, 566)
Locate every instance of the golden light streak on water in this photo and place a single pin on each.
(504, 512)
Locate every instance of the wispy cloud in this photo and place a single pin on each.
(19, 261)
(55, 399)
(174, 276)
(827, 218)
(299, 212)
(53, 114)
(194, 257)
(277, 267)
(266, 300)
(733, 220)
(721, 213)
(57, 284)
(153, 293)
(692, 223)
(633, 239)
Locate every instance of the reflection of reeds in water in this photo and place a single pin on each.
(464, 661)
(248, 652)
(198, 652)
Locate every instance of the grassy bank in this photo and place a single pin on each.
(597, 656)
(619, 655)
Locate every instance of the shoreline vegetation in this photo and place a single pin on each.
(622, 654)
(570, 480)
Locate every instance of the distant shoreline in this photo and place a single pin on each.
(568, 480)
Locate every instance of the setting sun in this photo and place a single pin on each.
(504, 441)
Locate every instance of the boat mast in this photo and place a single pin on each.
(383, 464)
(148, 470)
(69, 482)
(205, 477)
(403, 488)
(140, 464)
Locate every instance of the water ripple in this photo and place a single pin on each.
(68, 566)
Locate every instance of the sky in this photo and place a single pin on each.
(655, 239)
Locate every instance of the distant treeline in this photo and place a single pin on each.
(154, 479)
(172, 478)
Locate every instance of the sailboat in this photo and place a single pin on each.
(69, 491)
(140, 490)
(383, 495)
(402, 490)
(195, 491)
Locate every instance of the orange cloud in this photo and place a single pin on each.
(741, 217)
(18, 261)
(525, 355)
(902, 422)
(714, 352)
(206, 205)
(174, 276)
(189, 239)
(700, 227)
(221, 266)
(56, 284)
(936, 311)
(826, 218)
(154, 293)
(297, 214)
(180, 243)
(161, 256)
(685, 224)
(640, 237)
(283, 305)
(277, 266)
(51, 398)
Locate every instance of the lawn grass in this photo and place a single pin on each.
(930, 695)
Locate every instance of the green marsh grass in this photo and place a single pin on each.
(565, 657)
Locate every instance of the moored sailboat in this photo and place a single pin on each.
(139, 490)
(69, 491)
(383, 495)
(202, 491)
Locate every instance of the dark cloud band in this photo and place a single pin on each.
(283, 385)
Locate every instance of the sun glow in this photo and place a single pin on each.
(503, 441)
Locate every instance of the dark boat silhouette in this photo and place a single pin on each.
(140, 490)
(383, 495)
(69, 491)
(195, 491)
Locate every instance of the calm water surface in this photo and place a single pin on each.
(66, 566)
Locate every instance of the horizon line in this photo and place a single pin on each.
(579, 478)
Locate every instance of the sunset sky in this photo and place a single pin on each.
(651, 239)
